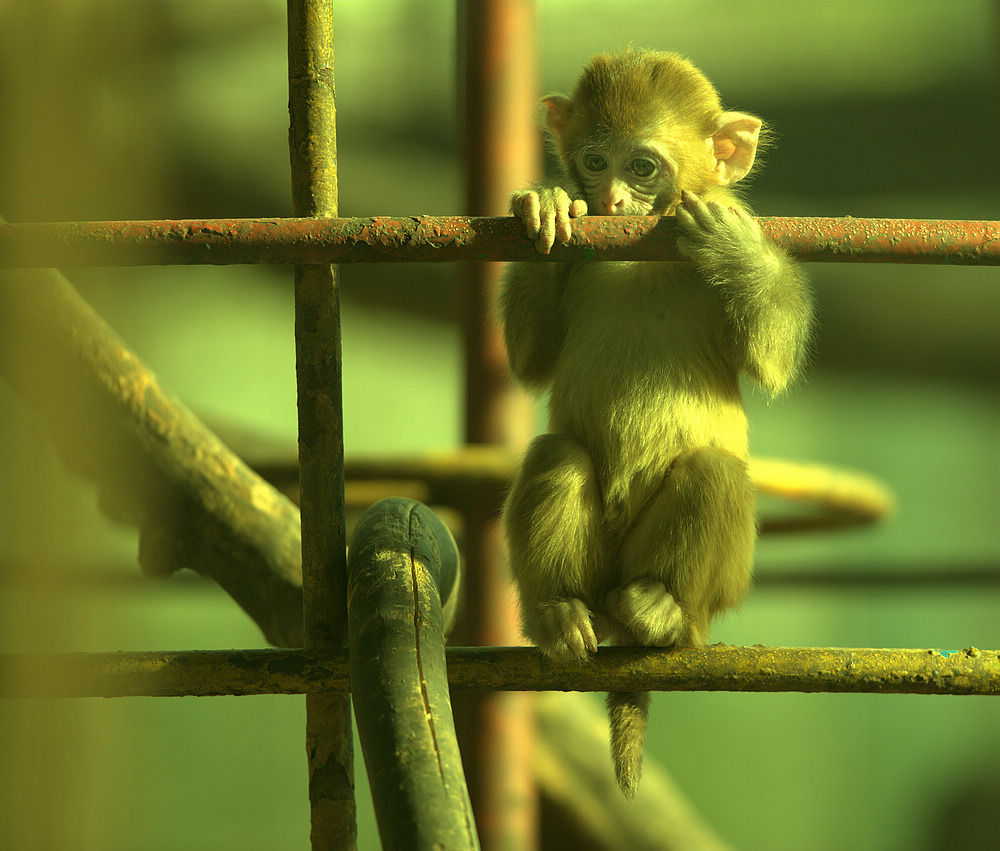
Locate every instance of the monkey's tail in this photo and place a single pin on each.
(627, 715)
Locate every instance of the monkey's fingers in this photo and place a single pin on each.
(546, 237)
(563, 230)
(693, 211)
(579, 643)
(555, 225)
(566, 210)
(749, 223)
(556, 208)
(567, 631)
(527, 207)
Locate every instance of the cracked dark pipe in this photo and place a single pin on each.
(402, 587)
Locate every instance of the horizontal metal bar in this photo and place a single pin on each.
(434, 239)
(716, 668)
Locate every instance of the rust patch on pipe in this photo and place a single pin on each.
(410, 239)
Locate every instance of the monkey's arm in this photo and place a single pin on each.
(765, 292)
(532, 318)
(531, 296)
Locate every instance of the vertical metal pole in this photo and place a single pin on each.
(313, 148)
(496, 71)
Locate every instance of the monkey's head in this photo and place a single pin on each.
(640, 127)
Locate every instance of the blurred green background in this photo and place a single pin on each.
(176, 109)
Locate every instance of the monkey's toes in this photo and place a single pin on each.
(648, 610)
(567, 631)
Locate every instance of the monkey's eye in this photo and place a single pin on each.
(642, 167)
(594, 162)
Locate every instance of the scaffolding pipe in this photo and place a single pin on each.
(207, 673)
(312, 142)
(496, 60)
(453, 239)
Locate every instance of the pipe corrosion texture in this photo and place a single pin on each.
(716, 668)
(312, 143)
(455, 239)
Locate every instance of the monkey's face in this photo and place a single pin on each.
(641, 179)
(637, 180)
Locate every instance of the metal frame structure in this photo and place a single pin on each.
(312, 241)
(433, 239)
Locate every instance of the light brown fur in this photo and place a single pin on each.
(634, 518)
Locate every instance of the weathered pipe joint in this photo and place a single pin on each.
(403, 563)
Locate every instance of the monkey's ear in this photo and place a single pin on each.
(735, 146)
(557, 113)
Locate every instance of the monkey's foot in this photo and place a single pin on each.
(649, 611)
(566, 630)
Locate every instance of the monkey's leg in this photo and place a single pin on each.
(690, 554)
(552, 522)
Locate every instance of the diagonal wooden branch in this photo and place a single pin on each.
(156, 466)
(196, 505)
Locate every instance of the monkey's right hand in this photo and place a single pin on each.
(546, 212)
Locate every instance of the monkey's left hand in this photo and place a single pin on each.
(716, 237)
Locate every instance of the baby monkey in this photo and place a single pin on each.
(634, 519)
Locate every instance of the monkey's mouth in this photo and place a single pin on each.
(665, 205)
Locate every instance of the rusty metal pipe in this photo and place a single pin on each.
(312, 141)
(719, 667)
(454, 239)
(501, 152)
